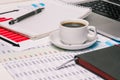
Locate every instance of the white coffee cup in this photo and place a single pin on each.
(76, 31)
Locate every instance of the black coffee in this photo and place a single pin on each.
(73, 24)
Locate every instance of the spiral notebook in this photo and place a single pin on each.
(48, 20)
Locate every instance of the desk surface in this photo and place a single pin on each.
(39, 62)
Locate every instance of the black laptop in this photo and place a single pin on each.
(105, 17)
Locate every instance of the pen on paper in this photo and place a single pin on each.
(26, 16)
(9, 11)
(10, 42)
(63, 65)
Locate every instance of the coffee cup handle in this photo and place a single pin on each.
(92, 33)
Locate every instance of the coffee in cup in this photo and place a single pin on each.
(76, 31)
(73, 24)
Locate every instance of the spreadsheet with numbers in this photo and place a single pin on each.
(41, 62)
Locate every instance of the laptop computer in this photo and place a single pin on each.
(105, 17)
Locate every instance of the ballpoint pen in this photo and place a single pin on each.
(63, 65)
(25, 16)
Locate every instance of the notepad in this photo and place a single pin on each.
(48, 20)
(103, 62)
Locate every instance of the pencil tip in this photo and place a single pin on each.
(58, 68)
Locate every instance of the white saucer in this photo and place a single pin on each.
(55, 39)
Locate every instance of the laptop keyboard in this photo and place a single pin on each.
(104, 8)
(115, 1)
